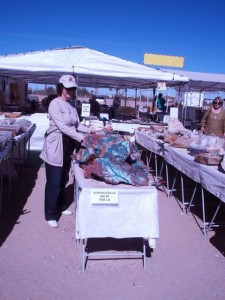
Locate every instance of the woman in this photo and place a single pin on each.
(213, 121)
(63, 134)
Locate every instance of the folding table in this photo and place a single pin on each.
(134, 216)
(208, 177)
(4, 154)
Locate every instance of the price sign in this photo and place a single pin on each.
(161, 86)
(85, 110)
(104, 197)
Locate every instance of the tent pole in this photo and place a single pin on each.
(135, 99)
(185, 105)
(167, 97)
(140, 98)
(153, 101)
(148, 96)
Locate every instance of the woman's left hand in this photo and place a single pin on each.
(93, 130)
(108, 129)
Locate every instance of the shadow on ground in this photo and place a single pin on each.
(22, 186)
(122, 245)
(119, 249)
(33, 159)
(13, 206)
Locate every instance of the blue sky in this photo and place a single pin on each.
(194, 29)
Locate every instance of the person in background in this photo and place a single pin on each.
(154, 104)
(116, 106)
(95, 106)
(160, 103)
(213, 120)
(223, 103)
(65, 132)
(49, 99)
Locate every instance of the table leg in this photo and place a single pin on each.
(213, 218)
(83, 255)
(203, 211)
(192, 197)
(144, 254)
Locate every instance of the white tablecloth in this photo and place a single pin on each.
(149, 143)
(208, 176)
(42, 122)
(125, 126)
(135, 216)
(183, 161)
(213, 181)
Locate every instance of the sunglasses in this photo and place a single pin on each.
(72, 89)
(218, 103)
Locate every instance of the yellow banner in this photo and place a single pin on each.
(164, 60)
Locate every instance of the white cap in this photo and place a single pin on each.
(68, 81)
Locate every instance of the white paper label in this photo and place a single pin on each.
(85, 110)
(161, 86)
(104, 197)
(174, 112)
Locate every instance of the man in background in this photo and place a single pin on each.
(116, 106)
(95, 106)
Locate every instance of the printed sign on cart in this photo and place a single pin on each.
(85, 109)
(161, 86)
(104, 197)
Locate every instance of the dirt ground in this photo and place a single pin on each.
(39, 263)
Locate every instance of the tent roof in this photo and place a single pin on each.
(93, 69)
(203, 82)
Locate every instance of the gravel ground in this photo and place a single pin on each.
(39, 263)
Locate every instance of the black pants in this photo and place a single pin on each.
(57, 179)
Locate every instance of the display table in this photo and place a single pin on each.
(22, 144)
(135, 215)
(14, 152)
(208, 177)
(4, 156)
(177, 157)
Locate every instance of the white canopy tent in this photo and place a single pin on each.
(202, 82)
(199, 83)
(92, 69)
